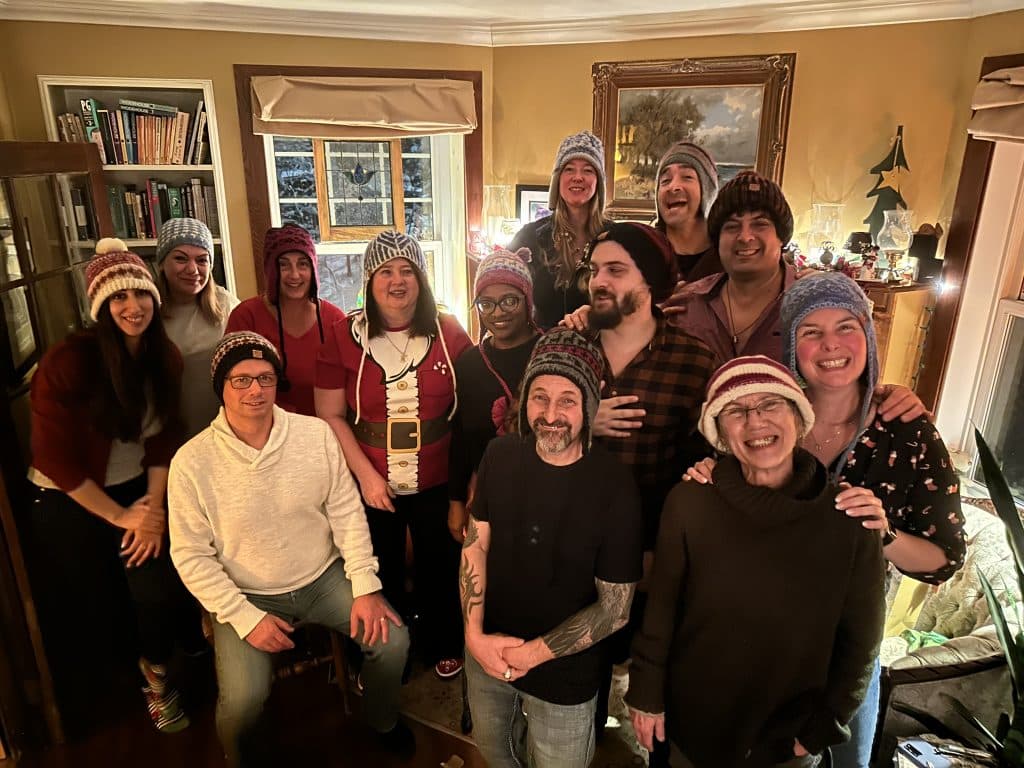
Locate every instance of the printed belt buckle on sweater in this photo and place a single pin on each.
(403, 434)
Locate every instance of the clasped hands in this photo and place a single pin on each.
(505, 658)
(144, 526)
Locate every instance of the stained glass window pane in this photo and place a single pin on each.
(359, 183)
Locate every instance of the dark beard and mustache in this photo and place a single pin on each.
(610, 317)
(552, 442)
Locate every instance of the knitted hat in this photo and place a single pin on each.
(584, 146)
(389, 245)
(562, 352)
(750, 375)
(175, 232)
(829, 290)
(690, 155)
(502, 267)
(749, 192)
(114, 268)
(279, 241)
(649, 249)
(233, 349)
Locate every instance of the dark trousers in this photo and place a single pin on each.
(436, 555)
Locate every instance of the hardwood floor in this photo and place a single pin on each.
(310, 728)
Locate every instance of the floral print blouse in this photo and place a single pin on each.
(908, 467)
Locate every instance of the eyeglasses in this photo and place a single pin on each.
(767, 408)
(508, 303)
(244, 382)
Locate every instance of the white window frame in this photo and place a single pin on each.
(448, 172)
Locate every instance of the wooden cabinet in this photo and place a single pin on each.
(902, 314)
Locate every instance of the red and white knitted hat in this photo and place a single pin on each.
(114, 268)
(750, 375)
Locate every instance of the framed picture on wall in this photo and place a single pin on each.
(531, 202)
(736, 107)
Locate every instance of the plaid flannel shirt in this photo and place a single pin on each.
(669, 376)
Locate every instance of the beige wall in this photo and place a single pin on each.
(852, 87)
(69, 49)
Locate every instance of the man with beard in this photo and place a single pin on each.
(549, 565)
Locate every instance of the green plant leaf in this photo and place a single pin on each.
(1014, 655)
(991, 742)
(1003, 501)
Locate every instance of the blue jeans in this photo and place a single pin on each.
(856, 753)
(515, 730)
(244, 673)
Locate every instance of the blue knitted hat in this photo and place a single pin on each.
(830, 290)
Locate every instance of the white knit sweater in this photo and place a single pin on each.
(264, 522)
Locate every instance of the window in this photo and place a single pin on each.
(345, 192)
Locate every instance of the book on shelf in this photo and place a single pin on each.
(140, 213)
(200, 150)
(90, 117)
(174, 203)
(103, 117)
(81, 213)
(118, 214)
(212, 217)
(146, 107)
(191, 149)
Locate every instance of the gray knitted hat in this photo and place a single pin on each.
(695, 157)
(388, 245)
(583, 146)
(563, 352)
(175, 232)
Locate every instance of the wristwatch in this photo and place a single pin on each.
(890, 535)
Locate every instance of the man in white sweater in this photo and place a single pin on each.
(267, 529)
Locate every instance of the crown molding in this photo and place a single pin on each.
(739, 19)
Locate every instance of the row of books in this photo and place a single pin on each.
(139, 132)
(139, 213)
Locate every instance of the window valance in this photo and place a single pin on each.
(999, 106)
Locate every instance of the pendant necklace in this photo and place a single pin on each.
(732, 325)
(401, 352)
(839, 430)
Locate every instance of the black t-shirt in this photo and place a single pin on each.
(553, 531)
(473, 426)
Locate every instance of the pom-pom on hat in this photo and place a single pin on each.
(749, 375)
(183, 231)
(650, 250)
(580, 146)
(233, 349)
(695, 157)
(563, 352)
(114, 268)
(750, 191)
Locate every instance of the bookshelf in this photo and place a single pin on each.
(164, 143)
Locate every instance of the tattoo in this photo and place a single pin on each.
(595, 622)
(469, 587)
(472, 533)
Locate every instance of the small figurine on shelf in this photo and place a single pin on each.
(868, 266)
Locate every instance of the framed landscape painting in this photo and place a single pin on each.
(736, 107)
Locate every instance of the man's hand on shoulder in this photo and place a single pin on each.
(676, 303)
(615, 419)
(271, 635)
(376, 616)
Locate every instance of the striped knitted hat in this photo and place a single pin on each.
(114, 268)
(749, 375)
(749, 192)
(233, 349)
(690, 155)
(389, 245)
(580, 146)
(502, 267)
(562, 352)
(185, 231)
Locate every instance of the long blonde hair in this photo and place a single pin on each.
(564, 263)
(211, 308)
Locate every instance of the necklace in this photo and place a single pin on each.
(732, 325)
(818, 446)
(401, 352)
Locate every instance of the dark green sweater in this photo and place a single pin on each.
(764, 616)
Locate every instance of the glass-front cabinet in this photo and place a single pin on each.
(49, 218)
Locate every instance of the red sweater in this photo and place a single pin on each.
(431, 378)
(67, 445)
(253, 315)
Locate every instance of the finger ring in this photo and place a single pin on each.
(508, 673)
(383, 619)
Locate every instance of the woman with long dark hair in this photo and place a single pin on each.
(576, 198)
(105, 423)
(386, 385)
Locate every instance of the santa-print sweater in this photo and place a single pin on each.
(265, 521)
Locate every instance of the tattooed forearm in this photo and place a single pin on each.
(469, 586)
(472, 533)
(593, 623)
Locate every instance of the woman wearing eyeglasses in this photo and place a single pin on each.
(765, 609)
(491, 371)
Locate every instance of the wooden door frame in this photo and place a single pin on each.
(257, 194)
(970, 194)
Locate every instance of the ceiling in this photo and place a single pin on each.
(500, 22)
